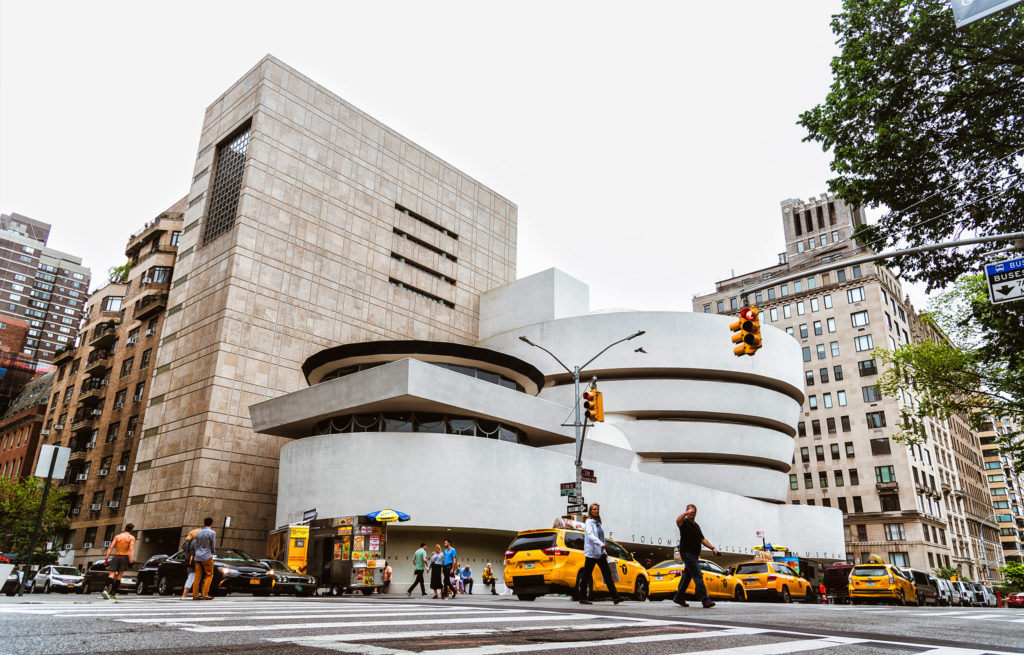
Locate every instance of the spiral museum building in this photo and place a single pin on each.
(473, 441)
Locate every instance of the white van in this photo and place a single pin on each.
(947, 594)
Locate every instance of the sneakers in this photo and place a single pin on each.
(105, 594)
(709, 604)
(681, 603)
(617, 600)
(409, 594)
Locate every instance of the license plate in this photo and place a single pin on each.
(659, 577)
(871, 583)
(529, 565)
(254, 581)
(749, 580)
(71, 586)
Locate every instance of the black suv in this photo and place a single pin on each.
(927, 590)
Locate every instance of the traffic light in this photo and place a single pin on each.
(593, 404)
(747, 332)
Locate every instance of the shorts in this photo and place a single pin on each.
(119, 564)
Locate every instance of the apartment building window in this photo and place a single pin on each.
(771, 292)
(801, 309)
(784, 289)
(871, 394)
(834, 347)
(856, 271)
(758, 298)
(838, 370)
(841, 275)
(817, 329)
(875, 420)
(899, 559)
(112, 303)
(834, 449)
(827, 300)
(888, 320)
(823, 373)
(838, 475)
(159, 274)
(816, 428)
(807, 353)
(144, 362)
(821, 350)
(811, 283)
(895, 532)
(139, 389)
(805, 455)
(801, 429)
(808, 481)
(119, 398)
(823, 479)
(814, 304)
(226, 185)
(787, 311)
(885, 474)
(889, 502)
(831, 323)
(867, 367)
(707, 309)
(854, 478)
(793, 483)
(842, 505)
(773, 314)
(864, 342)
(859, 319)
(812, 402)
(175, 238)
(841, 396)
(830, 422)
(720, 305)
(862, 532)
(810, 378)
(803, 330)
(126, 366)
(819, 452)
(826, 399)
(112, 431)
(855, 295)
(858, 504)
(881, 446)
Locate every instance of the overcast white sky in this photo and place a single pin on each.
(646, 144)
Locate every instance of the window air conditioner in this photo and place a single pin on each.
(150, 332)
(95, 507)
(147, 280)
(122, 468)
(90, 445)
(118, 405)
(132, 340)
(87, 544)
(106, 544)
(104, 472)
(67, 546)
(59, 427)
(76, 510)
(136, 399)
(82, 477)
(129, 433)
(97, 412)
(44, 432)
(114, 504)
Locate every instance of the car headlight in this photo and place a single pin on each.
(280, 578)
(228, 572)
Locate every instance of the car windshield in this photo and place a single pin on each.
(668, 564)
(64, 570)
(870, 570)
(276, 564)
(533, 541)
(836, 573)
(784, 569)
(232, 555)
(757, 567)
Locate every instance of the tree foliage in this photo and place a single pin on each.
(1013, 575)
(928, 121)
(119, 274)
(19, 509)
(945, 572)
(958, 375)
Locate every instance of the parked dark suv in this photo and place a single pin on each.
(99, 571)
(145, 580)
(233, 570)
(927, 589)
(837, 583)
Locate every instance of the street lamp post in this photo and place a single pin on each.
(984, 550)
(575, 373)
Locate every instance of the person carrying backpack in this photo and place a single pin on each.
(189, 548)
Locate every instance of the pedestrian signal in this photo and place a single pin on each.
(593, 404)
(747, 332)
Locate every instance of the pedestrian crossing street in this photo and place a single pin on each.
(400, 628)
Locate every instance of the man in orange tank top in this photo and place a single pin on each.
(123, 546)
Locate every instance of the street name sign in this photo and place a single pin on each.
(587, 475)
(567, 485)
(570, 492)
(1005, 280)
(575, 509)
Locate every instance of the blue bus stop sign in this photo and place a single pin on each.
(1005, 280)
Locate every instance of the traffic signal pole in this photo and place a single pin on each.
(578, 423)
(889, 254)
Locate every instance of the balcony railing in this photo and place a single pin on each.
(104, 334)
(887, 486)
(99, 362)
(150, 305)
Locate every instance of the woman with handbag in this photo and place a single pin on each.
(436, 566)
(190, 550)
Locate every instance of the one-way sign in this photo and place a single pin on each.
(1005, 280)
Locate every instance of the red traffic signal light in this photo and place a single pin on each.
(593, 404)
(747, 332)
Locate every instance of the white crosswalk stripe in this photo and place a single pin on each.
(402, 628)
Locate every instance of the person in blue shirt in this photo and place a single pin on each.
(596, 552)
(449, 569)
(467, 578)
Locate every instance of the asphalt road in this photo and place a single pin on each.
(480, 624)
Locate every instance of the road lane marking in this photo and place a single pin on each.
(333, 615)
(782, 647)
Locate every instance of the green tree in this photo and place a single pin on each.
(957, 375)
(19, 508)
(928, 121)
(119, 274)
(1013, 575)
(945, 572)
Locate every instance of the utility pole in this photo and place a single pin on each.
(578, 423)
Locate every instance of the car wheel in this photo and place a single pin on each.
(526, 596)
(46, 588)
(784, 595)
(740, 594)
(809, 597)
(140, 589)
(902, 599)
(640, 592)
(163, 586)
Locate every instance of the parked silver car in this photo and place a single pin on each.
(948, 593)
(59, 578)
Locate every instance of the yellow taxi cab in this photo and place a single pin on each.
(548, 561)
(879, 582)
(665, 578)
(775, 580)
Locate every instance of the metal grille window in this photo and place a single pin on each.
(227, 185)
